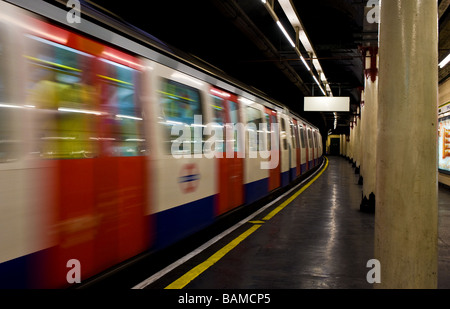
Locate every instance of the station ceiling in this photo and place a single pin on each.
(240, 38)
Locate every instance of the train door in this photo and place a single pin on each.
(65, 131)
(285, 151)
(275, 173)
(185, 183)
(307, 146)
(316, 140)
(314, 146)
(303, 152)
(297, 148)
(230, 163)
(256, 178)
(310, 148)
(120, 174)
(90, 127)
(25, 181)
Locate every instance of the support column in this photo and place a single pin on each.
(351, 143)
(370, 135)
(406, 218)
(362, 124)
(357, 145)
(345, 146)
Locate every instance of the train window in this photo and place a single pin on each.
(294, 135)
(219, 117)
(224, 112)
(314, 139)
(311, 145)
(233, 110)
(302, 136)
(254, 120)
(126, 138)
(60, 87)
(9, 139)
(179, 105)
(269, 131)
(284, 133)
(297, 139)
(218, 110)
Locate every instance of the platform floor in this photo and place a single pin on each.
(319, 241)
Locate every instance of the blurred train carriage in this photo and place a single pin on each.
(88, 169)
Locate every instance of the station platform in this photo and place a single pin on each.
(320, 240)
(312, 237)
(317, 239)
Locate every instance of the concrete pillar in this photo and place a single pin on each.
(362, 138)
(370, 123)
(362, 126)
(345, 146)
(352, 141)
(406, 212)
(357, 146)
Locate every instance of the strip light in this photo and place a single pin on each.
(295, 22)
(285, 33)
(444, 62)
(318, 84)
(305, 63)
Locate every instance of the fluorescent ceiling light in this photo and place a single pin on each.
(323, 91)
(320, 86)
(317, 82)
(285, 33)
(305, 63)
(445, 61)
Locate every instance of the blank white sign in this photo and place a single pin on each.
(327, 104)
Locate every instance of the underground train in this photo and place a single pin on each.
(107, 147)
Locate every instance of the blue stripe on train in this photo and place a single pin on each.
(256, 190)
(303, 168)
(24, 272)
(293, 174)
(284, 178)
(176, 223)
(13, 273)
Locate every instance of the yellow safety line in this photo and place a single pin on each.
(199, 269)
(295, 195)
(196, 271)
